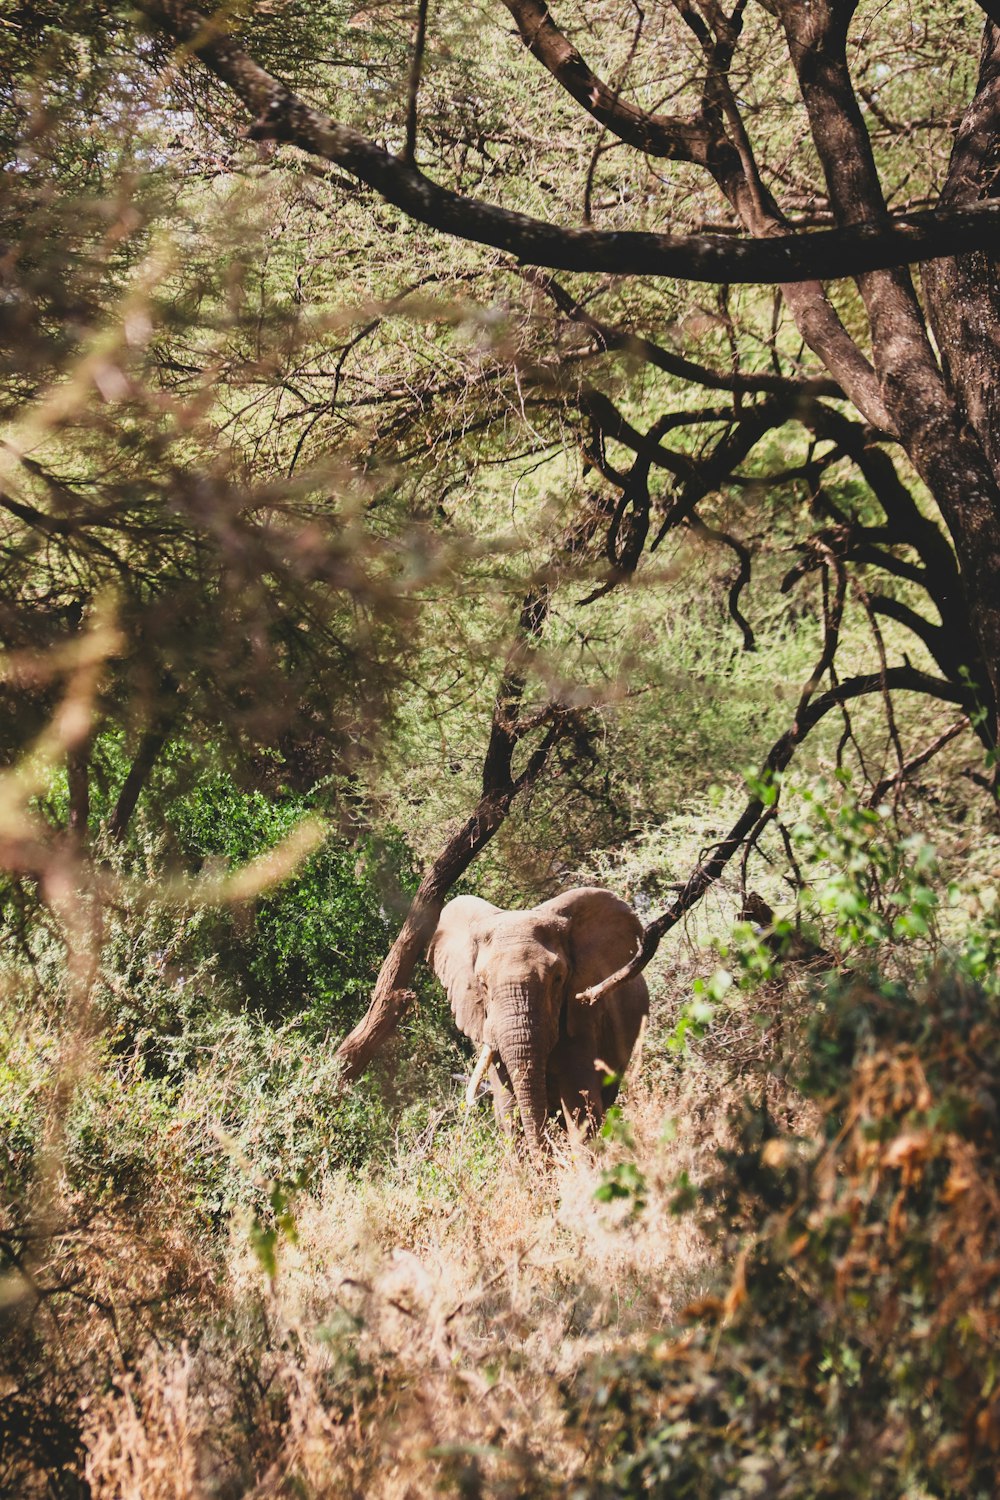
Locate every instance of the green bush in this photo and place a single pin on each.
(212, 1059)
(311, 947)
(853, 1346)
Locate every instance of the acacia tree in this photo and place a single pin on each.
(905, 385)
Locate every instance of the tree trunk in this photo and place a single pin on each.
(963, 302)
(78, 778)
(390, 996)
(922, 401)
(150, 746)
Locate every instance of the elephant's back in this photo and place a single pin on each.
(591, 899)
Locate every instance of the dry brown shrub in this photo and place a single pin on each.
(143, 1440)
(424, 1323)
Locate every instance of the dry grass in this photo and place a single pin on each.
(419, 1334)
(424, 1327)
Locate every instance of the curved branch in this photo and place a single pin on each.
(898, 778)
(667, 136)
(725, 539)
(622, 339)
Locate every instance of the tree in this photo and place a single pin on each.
(904, 386)
(939, 411)
(919, 369)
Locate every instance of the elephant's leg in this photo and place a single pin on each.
(504, 1104)
(579, 1085)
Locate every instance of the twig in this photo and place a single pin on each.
(929, 751)
(416, 65)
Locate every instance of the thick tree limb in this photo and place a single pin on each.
(958, 463)
(730, 161)
(282, 116)
(668, 136)
(416, 66)
(963, 295)
(152, 742)
(78, 778)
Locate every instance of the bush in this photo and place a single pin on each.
(311, 947)
(856, 1350)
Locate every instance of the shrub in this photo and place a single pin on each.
(312, 946)
(856, 1350)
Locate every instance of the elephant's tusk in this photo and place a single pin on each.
(478, 1074)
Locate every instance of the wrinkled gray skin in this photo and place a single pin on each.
(512, 979)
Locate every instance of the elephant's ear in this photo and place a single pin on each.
(604, 934)
(451, 953)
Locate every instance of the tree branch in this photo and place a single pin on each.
(152, 742)
(898, 778)
(500, 787)
(416, 66)
(667, 136)
(739, 583)
(615, 339)
(282, 116)
(781, 752)
(731, 164)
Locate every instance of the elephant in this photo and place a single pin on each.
(513, 978)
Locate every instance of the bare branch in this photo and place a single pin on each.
(639, 347)
(726, 539)
(667, 136)
(916, 761)
(416, 66)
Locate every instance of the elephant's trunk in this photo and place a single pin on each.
(520, 1038)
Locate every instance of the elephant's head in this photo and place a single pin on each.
(512, 978)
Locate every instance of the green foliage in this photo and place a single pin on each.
(245, 1109)
(309, 947)
(196, 1076)
(623, 1180)
(266, 1235)
(867, 896)
(313, 946)
(26, 1071)
(875, 887)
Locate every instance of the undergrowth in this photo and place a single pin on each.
(774, 1274)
